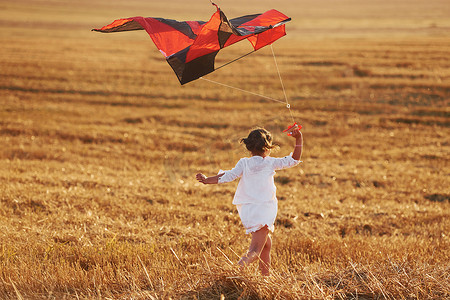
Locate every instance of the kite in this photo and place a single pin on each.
(190, 47)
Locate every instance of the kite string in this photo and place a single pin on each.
(256, 94)
(245, 91)
(282, 85)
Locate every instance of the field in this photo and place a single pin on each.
(100, 146)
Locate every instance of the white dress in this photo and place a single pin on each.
(255, 196)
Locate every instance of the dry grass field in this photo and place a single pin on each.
(100, 146)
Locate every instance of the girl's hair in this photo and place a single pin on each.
(258, 141)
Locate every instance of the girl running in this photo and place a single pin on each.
(255, 196)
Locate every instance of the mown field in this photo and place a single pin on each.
(100, 146)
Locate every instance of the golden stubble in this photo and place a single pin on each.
(100, 146)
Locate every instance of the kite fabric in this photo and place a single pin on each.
(190, 47)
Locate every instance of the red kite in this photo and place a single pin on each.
(190, 47)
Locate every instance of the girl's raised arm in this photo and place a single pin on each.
(298, 148)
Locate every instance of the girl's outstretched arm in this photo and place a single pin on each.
(208, 180)
(298, 148)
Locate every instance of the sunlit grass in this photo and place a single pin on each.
(100, 145)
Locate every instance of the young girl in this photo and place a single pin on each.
(255, 196)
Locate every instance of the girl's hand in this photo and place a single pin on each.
(208, 180)
(201, 178)
(296, 134)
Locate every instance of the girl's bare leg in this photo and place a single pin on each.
(258, 243)
(264, 263)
